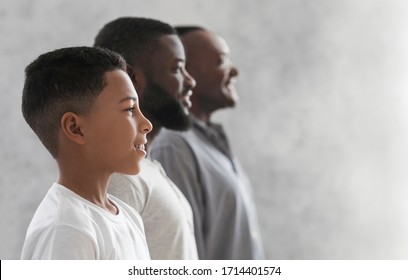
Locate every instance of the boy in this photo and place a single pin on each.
(155, 57)
(81, 104)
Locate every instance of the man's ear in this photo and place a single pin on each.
(71, 127)
(137, 77)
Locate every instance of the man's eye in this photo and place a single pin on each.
(221, 61)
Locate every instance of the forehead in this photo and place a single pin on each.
(118, 87)
(205, 42)
(168, 48)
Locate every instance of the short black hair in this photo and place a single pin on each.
(185, 29)
(133, 37)
(64, 80)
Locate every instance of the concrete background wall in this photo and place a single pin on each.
(321, 127)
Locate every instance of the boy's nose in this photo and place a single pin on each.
(145, 125)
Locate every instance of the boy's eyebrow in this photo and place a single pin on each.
(128, 98)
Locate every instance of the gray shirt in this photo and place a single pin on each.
(201, 165)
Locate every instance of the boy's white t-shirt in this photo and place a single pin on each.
(67, 226)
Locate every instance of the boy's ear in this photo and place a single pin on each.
(71, 127)
(137, 77)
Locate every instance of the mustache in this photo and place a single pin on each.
(187, 91)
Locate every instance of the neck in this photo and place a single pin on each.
(202, 115)
(86, 182)
(201, 109)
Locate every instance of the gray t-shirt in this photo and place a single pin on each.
(218, 190)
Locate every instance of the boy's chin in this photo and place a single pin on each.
(134, 170)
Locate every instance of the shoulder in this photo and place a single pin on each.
(133, 190)
(62, 206)
(168, 137)
(61, 219)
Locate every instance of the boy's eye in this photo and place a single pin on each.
(131, 110)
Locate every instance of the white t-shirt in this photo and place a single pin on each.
(67, 226)
(166, 213)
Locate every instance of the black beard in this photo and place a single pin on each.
(163, 109)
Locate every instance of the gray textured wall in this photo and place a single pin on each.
(321, 127)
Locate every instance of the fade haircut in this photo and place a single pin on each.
(134, 38)
(64, 80)
(185, 29)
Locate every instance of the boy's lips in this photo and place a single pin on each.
(140, 146)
